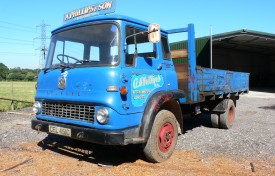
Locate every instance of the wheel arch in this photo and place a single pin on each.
(167, 100)
(174, 107)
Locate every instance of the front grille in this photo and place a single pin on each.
(69, 111)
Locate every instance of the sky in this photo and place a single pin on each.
(20, 20)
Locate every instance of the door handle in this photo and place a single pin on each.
(159, 67)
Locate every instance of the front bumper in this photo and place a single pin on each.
(85, 134)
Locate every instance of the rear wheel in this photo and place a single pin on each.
(215, 120)
(227, 118)
(163, 137)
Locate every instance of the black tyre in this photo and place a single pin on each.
(215, 118)
(163, 137)
(227, 118)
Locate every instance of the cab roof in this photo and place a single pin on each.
(111, 17)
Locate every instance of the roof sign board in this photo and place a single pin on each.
(91, 10)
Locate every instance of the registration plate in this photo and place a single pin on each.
(60, 130)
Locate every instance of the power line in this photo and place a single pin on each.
(14, 43)
(23, 26)
(19, 40)
(17, 53)
(17, 29)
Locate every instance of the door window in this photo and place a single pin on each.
(138, 45)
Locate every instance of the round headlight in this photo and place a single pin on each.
(102, 115)
(36, 108)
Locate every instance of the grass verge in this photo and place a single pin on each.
(21, 91)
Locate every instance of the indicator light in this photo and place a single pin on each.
(123, 90)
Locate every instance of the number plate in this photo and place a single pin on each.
(60, 130)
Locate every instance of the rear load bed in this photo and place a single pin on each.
(214, 81)
(222, 81)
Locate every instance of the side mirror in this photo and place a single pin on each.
(154, 33)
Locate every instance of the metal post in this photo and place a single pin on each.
(193, 93)
(12, 102)
(211, 61)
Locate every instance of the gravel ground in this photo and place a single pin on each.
(252, 135)
(15, 128)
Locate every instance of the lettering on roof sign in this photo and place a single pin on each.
(91, 10)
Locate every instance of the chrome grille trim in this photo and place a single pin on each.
(69, 111)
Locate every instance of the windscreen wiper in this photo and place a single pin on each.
(61, 65)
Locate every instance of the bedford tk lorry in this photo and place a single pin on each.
(110, 79)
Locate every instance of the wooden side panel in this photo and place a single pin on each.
(179, 53)
(182, 73)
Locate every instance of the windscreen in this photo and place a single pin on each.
(91, 45)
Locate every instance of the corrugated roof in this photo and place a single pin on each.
(244, 31)
(244, 39)
(247, 40)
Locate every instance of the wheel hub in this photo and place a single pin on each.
(231, 115)
(166, 137)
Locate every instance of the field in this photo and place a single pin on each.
(21, 91)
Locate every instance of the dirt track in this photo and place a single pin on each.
(24, 152)
(61, 160)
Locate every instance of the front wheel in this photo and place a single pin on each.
(163, 137)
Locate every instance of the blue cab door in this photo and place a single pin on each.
(144, 69)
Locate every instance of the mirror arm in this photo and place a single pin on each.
(136, 34)
(125, 44)
(140, 33)
(154, 30)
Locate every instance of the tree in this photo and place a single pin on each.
(4, 70)
(17, 74)
(29, 76)
(15, 77)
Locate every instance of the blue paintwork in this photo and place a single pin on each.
(179, 30)
(206, 80)
(193, 92)
(221, 81)
(89, 88)
(89, 84)
(117, 122)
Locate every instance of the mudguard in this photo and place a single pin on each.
(221, 106)
(153, 106)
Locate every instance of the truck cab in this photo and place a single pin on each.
(99, 74)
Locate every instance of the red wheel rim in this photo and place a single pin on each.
(166, 137)
(231, 115)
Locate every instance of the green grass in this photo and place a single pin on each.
(21, 91)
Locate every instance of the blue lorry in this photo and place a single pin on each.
(110, 79)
